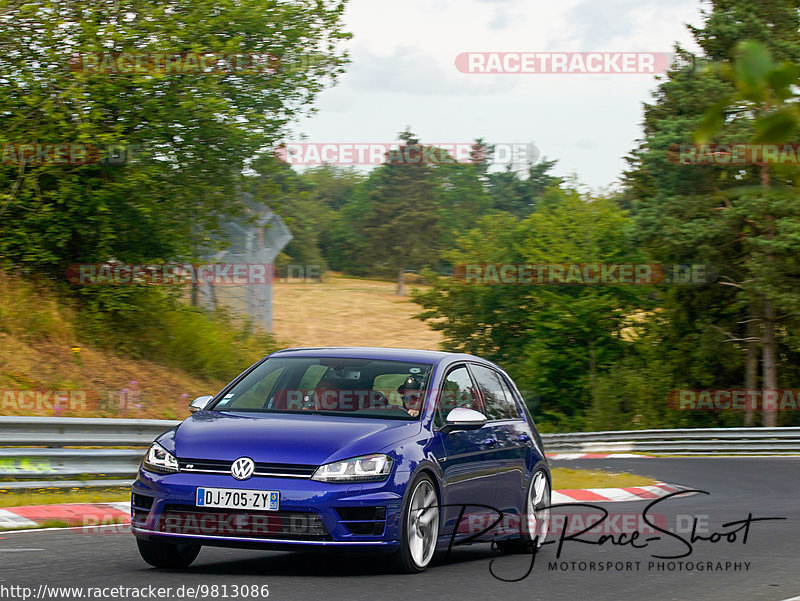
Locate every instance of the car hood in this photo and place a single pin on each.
(283, 438)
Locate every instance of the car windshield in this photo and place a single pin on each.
(368, 388)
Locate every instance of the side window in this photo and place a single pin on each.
(515, 412)
(458, 391)
(498, 405)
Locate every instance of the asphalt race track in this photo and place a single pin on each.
(763, 487)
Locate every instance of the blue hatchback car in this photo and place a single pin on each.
(392, 450)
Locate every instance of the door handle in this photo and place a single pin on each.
(490, 442)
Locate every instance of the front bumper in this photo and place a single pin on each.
(336, 512)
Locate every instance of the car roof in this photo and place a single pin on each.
(371, 352)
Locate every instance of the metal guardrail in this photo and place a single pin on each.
(37, 452)
(80, 432)
(695, 441)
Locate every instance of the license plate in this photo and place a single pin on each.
(235, 498)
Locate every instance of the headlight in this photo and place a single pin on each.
(369, 468)
(159, 460)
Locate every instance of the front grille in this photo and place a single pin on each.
(208, 465)
(242, 523)
(275, 470)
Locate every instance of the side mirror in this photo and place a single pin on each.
(200, 403)
(462, 418)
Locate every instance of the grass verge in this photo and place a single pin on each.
(49, 496)
(566, 478)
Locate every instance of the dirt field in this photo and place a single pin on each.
(348, 312)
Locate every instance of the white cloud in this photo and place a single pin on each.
(403, 73)
(409, 70)
(638, 24)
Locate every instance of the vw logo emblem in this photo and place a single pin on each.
(243, 468)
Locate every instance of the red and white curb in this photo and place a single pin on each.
(615, 495)
(571, 456)
(77, 514)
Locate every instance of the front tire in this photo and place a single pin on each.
(419, 530)
(167, 555)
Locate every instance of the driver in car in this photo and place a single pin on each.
(411, 393)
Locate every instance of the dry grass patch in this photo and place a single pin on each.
(343, 311)
(163, 392)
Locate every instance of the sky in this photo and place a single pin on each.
(404, 74)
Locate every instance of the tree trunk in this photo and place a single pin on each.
(592, 373)
(401, 281)
(751, 369)
(770, 417)
(211, 303)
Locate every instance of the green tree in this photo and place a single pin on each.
(690, 214)
(193, 132)
(765, 89)
(401, 227)
(462, 198)
(555, 339)
(518, 196)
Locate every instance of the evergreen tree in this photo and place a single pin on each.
(689, 214)
(401, 226)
